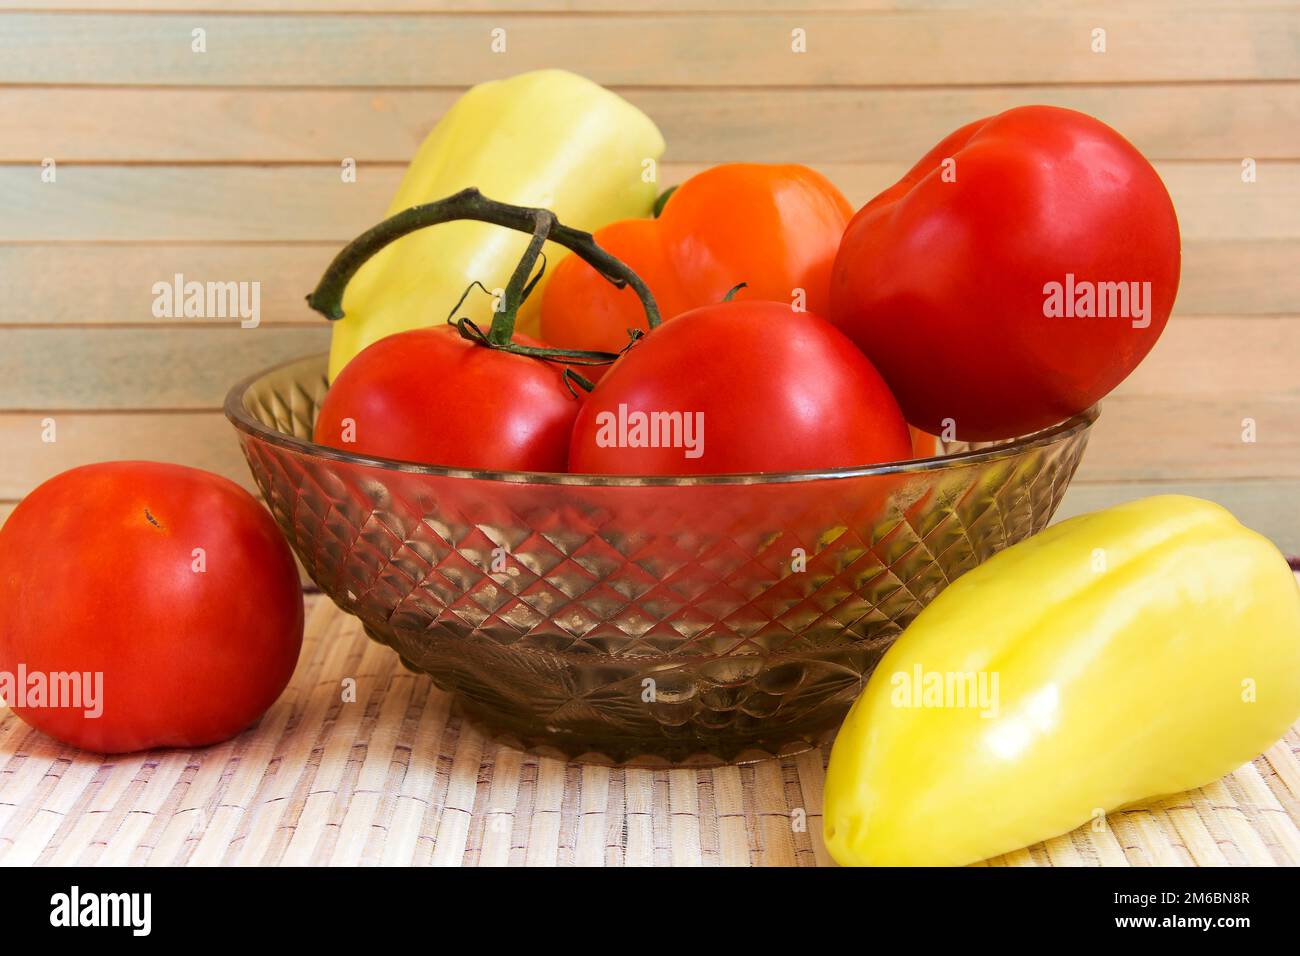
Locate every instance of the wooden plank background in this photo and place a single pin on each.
(225, 166)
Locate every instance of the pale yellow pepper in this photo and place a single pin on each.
(1132, 653)
(548, 138)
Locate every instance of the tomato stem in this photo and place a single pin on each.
(327, 297)
(469, 330)
(503, 322)
(571, 378)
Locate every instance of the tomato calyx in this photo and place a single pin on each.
(731, 293)
(662, 200)
(327, 297)
(469, 329)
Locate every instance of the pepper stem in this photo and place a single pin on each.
(327, 298)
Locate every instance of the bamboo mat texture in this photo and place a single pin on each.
(397, 778)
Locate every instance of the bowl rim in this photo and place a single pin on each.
(240, 417)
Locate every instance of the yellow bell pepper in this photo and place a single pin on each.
(1118, 656)
(547, 138)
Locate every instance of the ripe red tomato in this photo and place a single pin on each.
(172, 584)
(754, 387)
(946, 279)
(431, 396)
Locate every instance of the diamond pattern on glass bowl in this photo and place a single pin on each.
(641, 621)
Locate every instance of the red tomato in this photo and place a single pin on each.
(171, 583)
(774, 226)
(753, 387)
(946, 279)
(430, 396)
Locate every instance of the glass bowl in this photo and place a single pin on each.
(645, 621)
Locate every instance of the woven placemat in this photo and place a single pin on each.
(396, 777)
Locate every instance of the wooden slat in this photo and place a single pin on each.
(1139, 438)
(1183, 121)
(1002, 46)
(1242, 276)
(1204, 359)
(72, 283)
(1195, 440)
(306, 203)
(97, 204)
(1181, 412)
(122, 368)
(484, 6)
(1142, 437)
(1229, 357)
(1268, 506)
(597, 6)
(112, 284)
(199, 439)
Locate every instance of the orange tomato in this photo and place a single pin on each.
(924, 445)
(775, 227)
